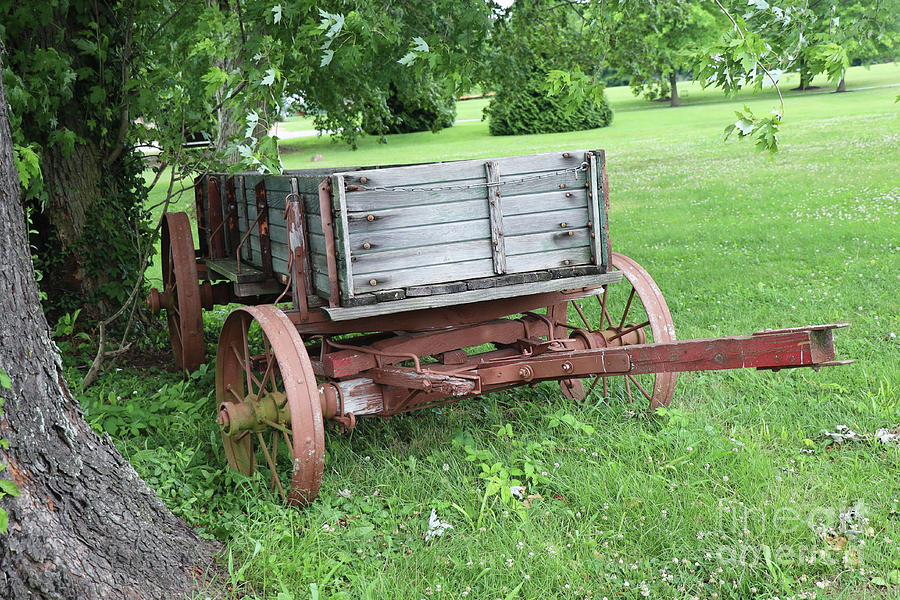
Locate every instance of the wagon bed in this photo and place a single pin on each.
(403, 238)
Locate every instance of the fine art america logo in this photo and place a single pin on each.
(740, 529)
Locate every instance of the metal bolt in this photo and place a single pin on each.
(562, 186)
(568, 194)
(593, 235)
(566, 155)
(592, 259)
(563, 224)
(370, 217)
(367, 245)
(571, 233)
(373, 282)
(590, 223)
(587, 185)
(567, 367)
(526, 373)
(363, 180)
(497, 193)
(567, 261)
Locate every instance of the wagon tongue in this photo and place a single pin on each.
(810, 346)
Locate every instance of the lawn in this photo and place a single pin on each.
(733, 492)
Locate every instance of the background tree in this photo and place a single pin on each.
(81, 524)
(650, 42)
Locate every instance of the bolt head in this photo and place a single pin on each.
(373, 282)
(370, 217)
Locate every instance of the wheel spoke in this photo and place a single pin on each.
(262, 385)
(603, 307)
(262, 443)
(640, 387)
(625, 332)
(287, 440)
(581, 314)
(593, 385)
(604, 312)
(230, 390)
(628, 391)
(627, 308)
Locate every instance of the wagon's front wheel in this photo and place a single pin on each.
(181, 291)
(632, 312)
(269, 409)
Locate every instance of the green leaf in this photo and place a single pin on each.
(4, 521)
(269, 79)
(5, 381)
(9, 488)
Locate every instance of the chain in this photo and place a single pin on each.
(482, 184)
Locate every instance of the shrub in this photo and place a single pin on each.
(428, 108)
(526, 107)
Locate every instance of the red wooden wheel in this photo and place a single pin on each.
(631, 312)
(268, 398)
(182, 287)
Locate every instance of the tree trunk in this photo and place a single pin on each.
(842, 84)
(84, 526)
(805, 76)
(673, 83)
(85, 234)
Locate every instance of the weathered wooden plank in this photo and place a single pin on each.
(461, 231)
(409, 258)
(495, 208)
(594, 214)
(464, 169)
(509, 291)
(417, 291)
(548, 241)
(425, 275)
(458, 231)
(547, 260)
(474, 190)
(359, 300)
(604, 206)
(390, 295)
(342, 239)
(325, 193)
(557, 220)
(449, 212)
(227, 268)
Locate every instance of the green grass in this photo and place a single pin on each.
(737, 243)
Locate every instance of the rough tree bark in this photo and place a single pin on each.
(85, 526)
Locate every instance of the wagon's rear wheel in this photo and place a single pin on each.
(632, 312)
(182, 289)
(270, 413)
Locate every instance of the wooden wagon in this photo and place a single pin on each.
(378, 290)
